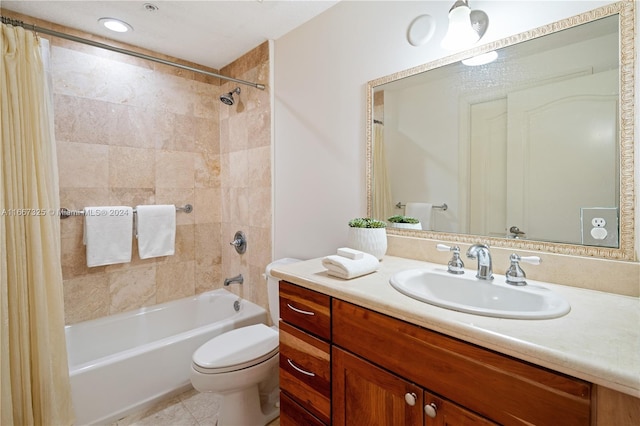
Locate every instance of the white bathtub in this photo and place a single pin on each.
(124, 362)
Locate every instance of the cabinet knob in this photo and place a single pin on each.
(431, 410)
(410, 398)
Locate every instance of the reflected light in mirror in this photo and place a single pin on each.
(483, 59)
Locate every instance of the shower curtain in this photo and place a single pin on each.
(34, 374)
(382, 201)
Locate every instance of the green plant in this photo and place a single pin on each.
(403, 219)
(366, 222)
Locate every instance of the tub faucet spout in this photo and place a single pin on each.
(239, 279)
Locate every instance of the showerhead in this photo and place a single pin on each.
(227, 98)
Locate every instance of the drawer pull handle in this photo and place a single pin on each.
(431, 410)
(308, 373)
(410, 398)
(300, 311)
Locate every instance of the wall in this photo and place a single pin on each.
(133, 132)
(321, 72)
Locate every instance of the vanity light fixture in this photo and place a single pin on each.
(115, 25)
(483, 59)
(466, 26)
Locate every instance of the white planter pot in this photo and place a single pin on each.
(407, 225)
(368, 240)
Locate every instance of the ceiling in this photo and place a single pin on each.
(212, 33)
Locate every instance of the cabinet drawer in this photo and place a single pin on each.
(306, 309)
(305, 370)
(292, 414)
(496, 386)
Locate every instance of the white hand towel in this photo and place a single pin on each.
(108, 233)
(422, 212)
(345, 268)
(156, 230)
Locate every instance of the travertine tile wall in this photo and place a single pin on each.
(131, 132)
(245, 156)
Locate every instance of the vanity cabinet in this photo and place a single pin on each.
(369, 395)
(342, 364)
(485, 383)
(305, 361)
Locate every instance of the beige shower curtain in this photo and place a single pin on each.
(382, 201)
(34, 373)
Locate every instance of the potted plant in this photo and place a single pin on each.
(368, 235)
(406, 222)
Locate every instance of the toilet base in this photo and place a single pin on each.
(244, 408)
(249, 397)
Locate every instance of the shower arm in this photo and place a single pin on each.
(36, 29)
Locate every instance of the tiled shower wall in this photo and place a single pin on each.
(132, 132)
(245, 181)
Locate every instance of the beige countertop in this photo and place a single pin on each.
(597, 341)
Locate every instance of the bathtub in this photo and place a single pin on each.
(125, 362)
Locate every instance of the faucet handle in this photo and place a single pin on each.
(455, 265)
(444, 247)
(533, 260)
(515, 275)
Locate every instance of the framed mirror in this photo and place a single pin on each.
(531, 151)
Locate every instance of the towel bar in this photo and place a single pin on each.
(442, 207)
(65, 213)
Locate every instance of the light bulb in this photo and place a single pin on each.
(115, 25)
(460, 33)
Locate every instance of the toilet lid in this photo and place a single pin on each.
(236, 349)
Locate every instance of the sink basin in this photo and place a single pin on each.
(466, 293)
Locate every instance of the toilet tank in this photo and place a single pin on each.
(273, 287)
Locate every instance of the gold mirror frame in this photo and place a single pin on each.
(626, 251)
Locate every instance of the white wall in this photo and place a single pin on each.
(321, 72)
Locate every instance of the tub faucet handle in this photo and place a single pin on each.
(239, 242)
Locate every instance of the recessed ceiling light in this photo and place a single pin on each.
(115, 25)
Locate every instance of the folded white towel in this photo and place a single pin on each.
(156, 230)
(108, 234)
(422, 212)
(343, 267)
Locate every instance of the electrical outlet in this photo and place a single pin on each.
(599, 226)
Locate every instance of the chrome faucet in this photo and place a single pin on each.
(485, 268)
(239, 279)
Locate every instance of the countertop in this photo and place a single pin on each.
(597, 341)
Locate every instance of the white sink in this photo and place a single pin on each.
(466, 293)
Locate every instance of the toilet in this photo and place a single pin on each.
(241, 365)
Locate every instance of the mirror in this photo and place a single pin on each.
(532, 151)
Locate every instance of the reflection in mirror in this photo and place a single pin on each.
(533, 150)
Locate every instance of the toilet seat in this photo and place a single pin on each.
(236, 349)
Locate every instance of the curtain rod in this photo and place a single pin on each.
(34, 28)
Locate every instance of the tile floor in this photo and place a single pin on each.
(190, 408)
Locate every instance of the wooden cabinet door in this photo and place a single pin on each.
(364, 394)
(445, 413)
(292, 414)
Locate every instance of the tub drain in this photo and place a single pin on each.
(236, 305)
